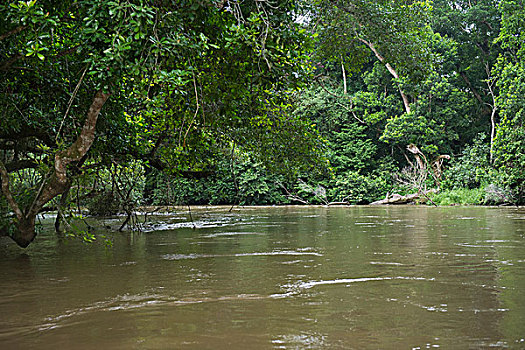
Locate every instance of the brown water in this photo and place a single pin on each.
(281, 278)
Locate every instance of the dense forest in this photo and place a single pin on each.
(109, 106)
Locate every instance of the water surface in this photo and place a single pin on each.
(281, 278)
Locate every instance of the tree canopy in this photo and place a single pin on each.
(167, 83)
(256, 102)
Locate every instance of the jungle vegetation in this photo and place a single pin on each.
(113, 105)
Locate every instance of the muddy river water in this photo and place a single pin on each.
(275, 278)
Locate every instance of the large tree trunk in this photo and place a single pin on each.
(25, 231)
(492, 130)
(55, 184)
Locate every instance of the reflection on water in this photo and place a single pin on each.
(282, 278)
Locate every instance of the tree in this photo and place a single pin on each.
(160, 82)
(509, 142)
(395, 32)
(473, 27)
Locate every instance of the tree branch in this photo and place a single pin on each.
(341, 97)
(20, 164)
(471, 88)
(84, 141)
(317, 77)
(29, 132)
(389, 67)
(12, 32)
(58, 182)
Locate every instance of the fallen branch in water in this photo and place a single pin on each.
(409, 198)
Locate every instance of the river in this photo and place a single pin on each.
(275, 278)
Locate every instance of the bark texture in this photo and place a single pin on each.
(58, 181)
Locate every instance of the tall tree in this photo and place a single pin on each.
(509, 143)
(158, 81)
(394, 31)
(473, 26)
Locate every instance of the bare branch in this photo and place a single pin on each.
(391, 69)
(197, 107)
(71, 102)
(20, 164)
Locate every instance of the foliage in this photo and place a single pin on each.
(355, 188)
(510, 134)
(241, 181)
(397, 29)
(183, 81)
(471, 169)
(441, 113)
(461, 196)
(257, 102)
(104, 204)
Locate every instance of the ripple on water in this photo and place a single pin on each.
(299, 341)
(232, 234)
(128, 302)
(386, 263)
(480, 244)
(272, 253)
(285, 252)
(121, 302)
(311, 284)
(202, 223)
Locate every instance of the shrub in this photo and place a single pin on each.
(462, 196)
(356, 188)
(471, 169)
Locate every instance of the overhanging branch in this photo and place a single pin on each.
(57, 183)
(20, 164)
(12, 32)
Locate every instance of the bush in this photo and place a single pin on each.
(356, 188)
(462, 196)
(471, 169)
(251, 184)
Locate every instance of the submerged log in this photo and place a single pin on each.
(409, 198)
